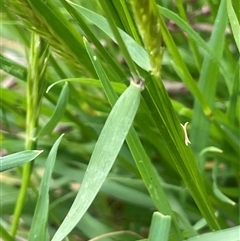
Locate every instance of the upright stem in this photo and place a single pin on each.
(37, 63)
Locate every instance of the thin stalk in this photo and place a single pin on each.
(35, 88)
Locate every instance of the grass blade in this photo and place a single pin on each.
(58, 112)
(137, 53)
(105, 152)
(39, 223)
(234, 23)
(17, 159)
(187, 28)
(208, 82)
(145, 167)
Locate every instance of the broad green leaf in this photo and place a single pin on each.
(17, 159)
(40, 218)
(105, 152)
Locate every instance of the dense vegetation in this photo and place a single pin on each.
(120, 120)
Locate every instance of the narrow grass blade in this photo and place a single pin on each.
(118, 87)
(186, 28)
(235, 24)
(216, 190)
(160, 226)
(40, 219)
(183, 72)
(233, 111)
(58, 112)
(105, 152)
(208, 82)
(17, 159)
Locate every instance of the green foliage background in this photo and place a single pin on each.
(63, 67)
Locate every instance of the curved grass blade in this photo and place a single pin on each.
(17, 159)
(118, 87)
(58, 112)
(187, 28)
(137, 53)
(216, 190)
(39, 223)
(105, 152)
